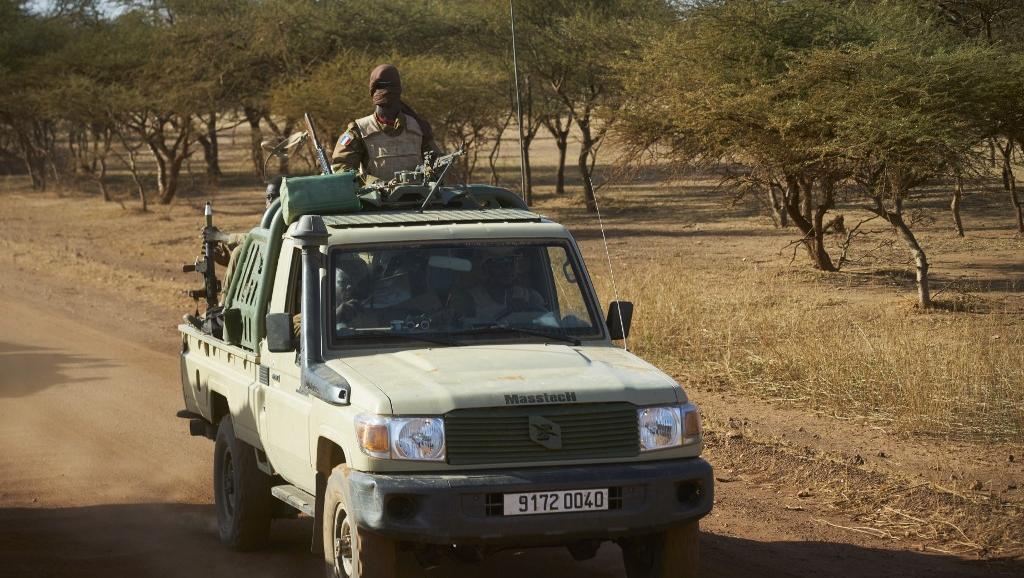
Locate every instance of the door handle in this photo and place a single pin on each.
(276, 377)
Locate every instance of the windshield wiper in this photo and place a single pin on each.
(502, 328)
(408, 336)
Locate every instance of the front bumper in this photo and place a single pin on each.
(466, 509)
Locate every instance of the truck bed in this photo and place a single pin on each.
(217, 378)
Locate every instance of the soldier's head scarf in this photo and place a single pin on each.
(386, 91)
(386, 87)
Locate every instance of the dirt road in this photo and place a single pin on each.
(98, 478)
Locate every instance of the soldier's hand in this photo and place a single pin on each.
(216, 235)
(221, 254)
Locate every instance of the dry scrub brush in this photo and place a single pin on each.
(850, 353)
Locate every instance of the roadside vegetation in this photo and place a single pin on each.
(860, 132)
(765, 333)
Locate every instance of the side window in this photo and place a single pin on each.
(569, 300)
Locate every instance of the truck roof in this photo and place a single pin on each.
(431, 217)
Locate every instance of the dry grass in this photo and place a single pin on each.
(775, 335)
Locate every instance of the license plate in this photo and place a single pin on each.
(555, 502)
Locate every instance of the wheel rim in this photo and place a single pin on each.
(228, 483)
(343, 538)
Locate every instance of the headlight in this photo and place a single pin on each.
(416, 438)
(668, 426)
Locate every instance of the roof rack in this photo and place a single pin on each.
(430, 217)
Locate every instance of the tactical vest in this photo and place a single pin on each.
(389, 153)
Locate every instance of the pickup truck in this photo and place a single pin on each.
(427, 374)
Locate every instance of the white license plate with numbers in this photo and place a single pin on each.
(556, 502)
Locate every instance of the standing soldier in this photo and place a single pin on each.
(393, 138)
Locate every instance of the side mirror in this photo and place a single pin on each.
(280, 336)
(620, 317)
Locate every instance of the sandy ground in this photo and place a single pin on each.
(97, 477)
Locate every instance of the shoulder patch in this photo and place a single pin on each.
(345, 139)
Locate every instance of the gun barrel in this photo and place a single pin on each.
(318, 150)
(207, 266)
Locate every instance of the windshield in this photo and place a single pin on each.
(459, 292)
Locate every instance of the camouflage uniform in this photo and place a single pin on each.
(379, 150)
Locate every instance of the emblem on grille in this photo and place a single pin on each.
(545, 432)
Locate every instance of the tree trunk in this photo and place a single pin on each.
(528, 193)
(563, 146)
(101, 180)
(1010, 183)
(807, 198)
(34, 162)
(822, 258)
(133, 168)
(1018, 203)
(895, 218)
(173, 174)
(812, 229)
(492, 160)
(253, 116)
(954, 206)
(586, 150)
(492, 157)
(169, 158)
(211, 149)
(588, 187)
(161, 175)
(561, 136)
(777, 206)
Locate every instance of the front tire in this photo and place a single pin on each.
(241, 492)
(350, 552)
(673, 553)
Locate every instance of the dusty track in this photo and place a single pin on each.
(97, 478)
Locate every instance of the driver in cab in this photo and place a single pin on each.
(394, 138)
(501, 292)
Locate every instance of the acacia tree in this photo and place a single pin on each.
(157, 102)
(711, 92)
(27, 118)
(90, 129)
(901, 115)
(574, 49)
(998, 24)
(816, 97)
(218, 65)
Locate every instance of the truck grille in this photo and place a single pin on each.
(503, 435)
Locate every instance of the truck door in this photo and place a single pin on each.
(285, 413)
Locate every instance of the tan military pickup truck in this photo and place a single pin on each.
(454, 389)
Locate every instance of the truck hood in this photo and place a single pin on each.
(433, 381)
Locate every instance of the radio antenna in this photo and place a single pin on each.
(519, 106)
(608, 257)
